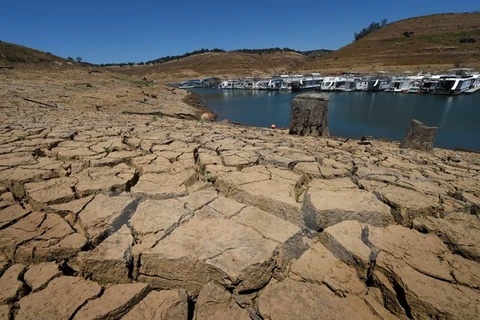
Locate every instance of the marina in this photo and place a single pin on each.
(453, 82)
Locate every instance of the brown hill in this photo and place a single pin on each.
(17, 55)
(32, 78)
(219, 64)
(433, 42)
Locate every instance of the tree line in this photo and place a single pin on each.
(311, 53)
(369, 29)
(164, 59)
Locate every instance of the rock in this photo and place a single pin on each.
(52, 231)
(103, 215)
(4, 263)
(164, 185)
(59, 300)
(11, 215)
(114, 158)
(111, 261)
(6, 200)
(376, 303)
(159, 305)
(96, 180)
(66, 248)
(419, 136)
(207, 116)
(70, 210)
(155, 219)
(227, 207)
(459, 231)
(12, 287)
(214, 302)
(14, 178)
(114, 302)
(5, 312)
(408, 204)
(48, 192)
(39, 275)
(417, 274)
(256, 189)
(199, 199)
(309, 115)
(270, 226)
(290, 299)
(46, 231)
(317, 265)
(323, 208)
(16, 159)
(238, 158)
(209, 249)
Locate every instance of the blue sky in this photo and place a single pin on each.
(104, 31)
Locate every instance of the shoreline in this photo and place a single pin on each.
(383, 139)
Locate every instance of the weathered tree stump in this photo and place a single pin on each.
(419, 136)
(309, 115)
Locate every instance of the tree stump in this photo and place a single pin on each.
(309, 115)
(419, 136)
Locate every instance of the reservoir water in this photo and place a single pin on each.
(355, 114)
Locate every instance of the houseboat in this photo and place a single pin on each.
(378, 83)
(229, 84)
(261, 85)
(190, 84)
(328, 84)
(311, 81)
(346, 84)
(454, 85)
(400, 84)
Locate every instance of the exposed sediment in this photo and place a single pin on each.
(107, 215)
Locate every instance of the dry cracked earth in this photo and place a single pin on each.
(108, 216)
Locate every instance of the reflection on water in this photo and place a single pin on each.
(361, 113)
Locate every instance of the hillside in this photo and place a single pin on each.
(219, 64)
(30, 78)
(13, 55)
(423, 43)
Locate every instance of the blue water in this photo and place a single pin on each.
(355, 114)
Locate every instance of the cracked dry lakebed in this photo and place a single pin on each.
(112, 216)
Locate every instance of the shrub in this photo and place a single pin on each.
(468, 40)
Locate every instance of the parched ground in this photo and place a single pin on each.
(105, 215)
(84, 87)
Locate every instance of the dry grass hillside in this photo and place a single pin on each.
(432, 43)
(19, 56)
(219, 64)
(31, 78)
